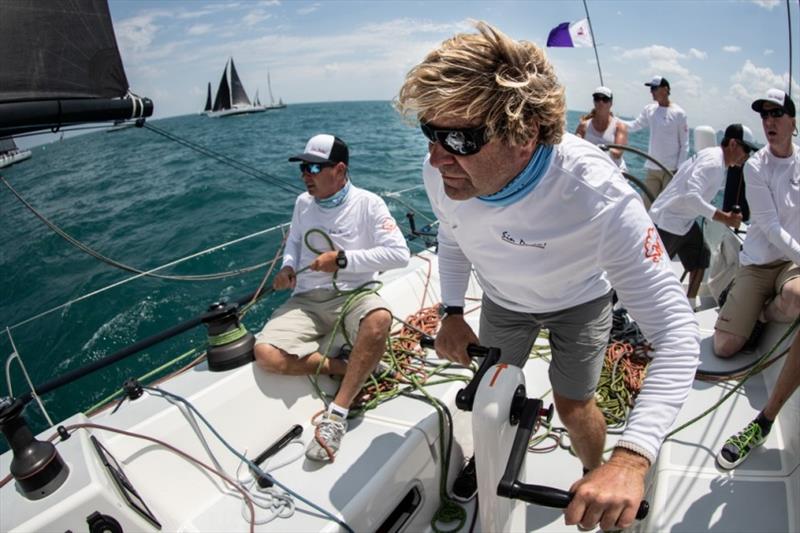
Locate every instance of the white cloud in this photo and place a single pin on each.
(665, 61)
(199, 29)
(752, 81)
(137, 33)
(309, 9)
(254, 17)
(766, 4)
(732, 48)
(769, 52)
(697, 54)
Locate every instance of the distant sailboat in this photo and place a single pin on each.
(272, 104)
(231, 97)
(208, 101)
(10, 154)
(257, 102)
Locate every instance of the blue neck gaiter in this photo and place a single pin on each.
(336, 199)
(525, 181)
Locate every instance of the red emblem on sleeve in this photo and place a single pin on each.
(388, 224)
(653, 249)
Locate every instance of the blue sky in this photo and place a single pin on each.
(718, 54)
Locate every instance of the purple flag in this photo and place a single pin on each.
(571, 35)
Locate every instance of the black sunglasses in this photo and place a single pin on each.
(776, 112)
(457, 141)
(601, 98)
(313, 168)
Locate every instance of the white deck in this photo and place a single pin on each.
(394, 448)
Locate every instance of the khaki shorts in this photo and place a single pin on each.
(752, 287)
(656, 180)
(305, 323)
(578, 341)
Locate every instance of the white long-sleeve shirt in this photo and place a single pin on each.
(689, 193)
(669, 134)
(362, 226)
(773, 193)
(579, 232)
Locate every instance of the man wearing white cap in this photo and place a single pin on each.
(689, 195)
(767, 285)
(600, 126)
(340, 237)
(669, 135)
(769, 260)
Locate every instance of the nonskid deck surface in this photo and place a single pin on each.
(395, 449)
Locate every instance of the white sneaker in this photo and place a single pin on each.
(327, 438)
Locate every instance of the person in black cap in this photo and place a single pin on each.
(669, 135)
(766, 287)
(360, 239)
(689, 195)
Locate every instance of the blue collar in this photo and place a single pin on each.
(336, 199)
(525, 181)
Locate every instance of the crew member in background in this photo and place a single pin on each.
(766, 287)
(669, 135)
(600, 126)
(364, 241)
(689, 195)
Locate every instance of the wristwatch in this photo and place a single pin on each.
(341, 259)
(447, 310)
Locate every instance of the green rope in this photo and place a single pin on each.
(754, 370)
(449, 510)
(227, 337)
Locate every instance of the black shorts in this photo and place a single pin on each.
(691, 248)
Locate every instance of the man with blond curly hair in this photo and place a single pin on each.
(549, 225)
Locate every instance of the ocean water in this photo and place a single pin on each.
(144, 200)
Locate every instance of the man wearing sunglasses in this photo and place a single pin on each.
(689, 195)
(768, 263)
(549, 225)
(340, 237)
(767, 285)
(669, 135)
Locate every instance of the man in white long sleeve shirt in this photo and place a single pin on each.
(364, 239)
(776, 171)
(549, 225)
(768, 272)
(689, 195)
(669, 135)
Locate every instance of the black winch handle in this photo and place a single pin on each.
(510, 487)
(466, 396)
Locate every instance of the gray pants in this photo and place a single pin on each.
(578, 341)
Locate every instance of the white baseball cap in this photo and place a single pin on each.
(602, 90)
(323, 148)
(777, 97)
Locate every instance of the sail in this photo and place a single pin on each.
(55, 56)
(208, 98)
(269, 86)
(223, 99)
(238, 94)
(7, 144)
